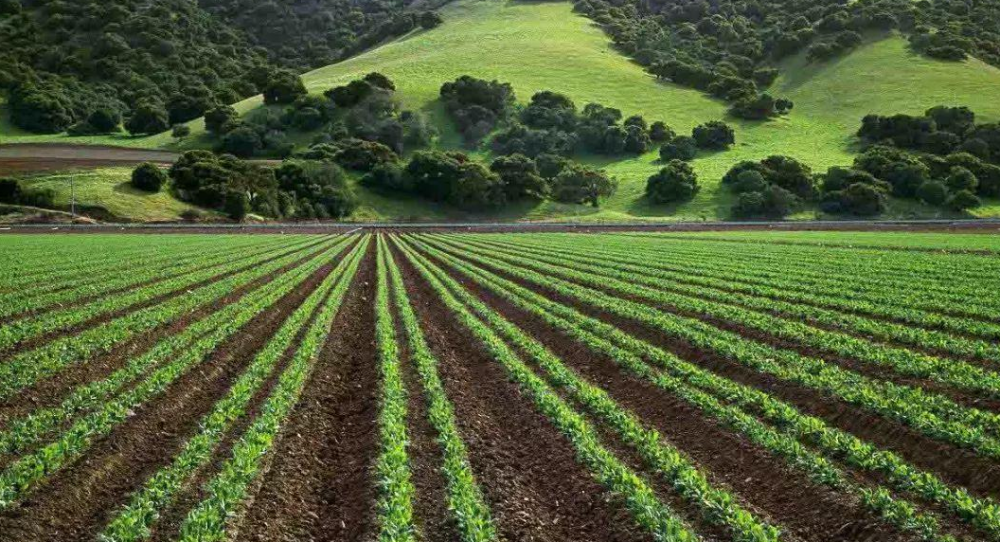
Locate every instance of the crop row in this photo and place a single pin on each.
(33, 254)
(107, 257)
(16, 332)
(932, 414)
(125, 275)
(25, 368)
(716, 506)
(729, 307)
(766, 299)
(225, 493)
(191, 345)
(465, 498)
(396, 490)
(134, 521)
(739, 406)
(28, 470)
(888, 241)
(866, 273)
(649, 512)
(718, 271)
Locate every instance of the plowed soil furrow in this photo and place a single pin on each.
(37, 341)
(774, 491)
(430, 506)
(75, 503)
(955, 465)
(963, 397)
(171, 519)
(319, 485)
(50, 391)
(527, 469)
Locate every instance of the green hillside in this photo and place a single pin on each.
(536, 46)
(539, 46)
(107, 193)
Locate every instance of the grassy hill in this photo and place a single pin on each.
(538, 46)
(107, 193)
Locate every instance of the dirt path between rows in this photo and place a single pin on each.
(75, 503)
(319, 484)
(528, 470)
(778, 493)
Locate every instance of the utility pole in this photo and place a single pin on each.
(72, 196)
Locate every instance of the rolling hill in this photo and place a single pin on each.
(545, 46)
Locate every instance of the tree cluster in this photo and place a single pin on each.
(729, 48)
(12, 193)
(477, 105)
(296, 189)
(552, 124)
(306, 34)
(364, 110)
(89, 64)
(454, 178)
(941, 158)
(675, 183)
(771, 188)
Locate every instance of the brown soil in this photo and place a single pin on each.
(430, 506)
(527, 469)
(74, 503)
(172, 518)
(50, 391)
(955, 465)
(774, 491)
(319, 484)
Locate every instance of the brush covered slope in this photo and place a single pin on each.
(547, 46)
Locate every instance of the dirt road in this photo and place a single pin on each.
(34, 157)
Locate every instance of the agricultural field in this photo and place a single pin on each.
(442, 386)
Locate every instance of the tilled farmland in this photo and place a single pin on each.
(445, 386)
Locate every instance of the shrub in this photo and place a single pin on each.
(839, 178)
(283, 87)
(361, 155)
(148, 177)
(430, 19)
(773, 202)
(10, 191)
(713, 135)
(243, 142)
(960, 178)
(749, 180)
(181, 131)
(104, 120)
(387, 177)
(320, 189)
(932, 193)
(236, 205)
(550, 165)
(660, 132)
(962, 200)
(679, 148)
(580, 184)
(858, 199)
(674, 183)
(520, 177)
(218, 118)
(148, 118)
